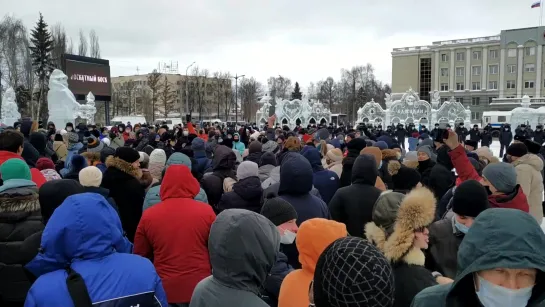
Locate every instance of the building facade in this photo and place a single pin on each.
(486, 73)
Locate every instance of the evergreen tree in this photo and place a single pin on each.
(296, 94)
(40, 50)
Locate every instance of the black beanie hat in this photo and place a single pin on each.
(406, 178)
(470, 198)
(533, 146)
(517, 150)
(472, 143)
(127, 154)
(277, 210)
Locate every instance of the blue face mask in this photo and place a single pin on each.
(492, 295)
(461, 227)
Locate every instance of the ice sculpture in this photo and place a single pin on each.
(10, 114)
(88, 111)
(291, 112)
(62, 104)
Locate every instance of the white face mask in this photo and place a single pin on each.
(288, 237)
(68, 129)
(492, 295)
(185, 133)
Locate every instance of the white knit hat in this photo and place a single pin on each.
(158, 156)
(90, 176)
(106, 141)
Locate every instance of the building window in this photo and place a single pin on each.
(528, 84)
(510, 97)
(459, 86)
(512, 69)
(475, 101)
(444, 87)
(444, 57)
(476, 70)
(492, 85)
(475, 115)
(493, 69)
(528, 51)
(512, 52)
(511, 84)
(459, 71)
(460, 56)
(491, 99)
(475, 86)
(476, 55)
(460, 100)
(494, 54)
(529, 67)
(444, 72)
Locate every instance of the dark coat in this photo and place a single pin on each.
(486, 138)
(539, 136)
(353, 205)
(254, 157)
(410, 279)
(20, 218)
(104, 192)
(247, 194)
(441, 255)
(295, 187)
(440, 178)
(222, 167)
(122, 179)
(506, 136)
(326, 181)
(354, 148)
(275, 278)
(475, 135)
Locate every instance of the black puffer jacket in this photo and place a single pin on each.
(354, 147)
(441, 255)
(254, 157)
(223, 166)
(441, 178)
(19, 219)
(122, 179)
(353, 205)
(247, 194)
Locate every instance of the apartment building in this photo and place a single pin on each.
(479, 71)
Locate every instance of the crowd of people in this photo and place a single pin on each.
(142, 215)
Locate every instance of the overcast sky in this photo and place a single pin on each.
(306, 40)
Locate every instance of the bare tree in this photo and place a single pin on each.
(60, 45)
(82, 48)
(280, 87)
(154, 83)
(167, 95)
(326, 91)
(13, 40)
(202, 83)
(228, 94)
(249, 90)
(94, 45)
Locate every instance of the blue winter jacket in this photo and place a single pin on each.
(326, 181)
(239, 146)
(73, 150)
(153, 198)
(413, 143)
(295, 186)
(85, 233)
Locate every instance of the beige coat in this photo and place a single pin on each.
(60, 149)
(529, 177)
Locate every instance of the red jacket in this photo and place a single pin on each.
(466, 171)
(174, 233)
(37, 176)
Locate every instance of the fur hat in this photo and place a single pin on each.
(90, 176)
(373, 151)
(293, 144)
(416, 210)
(472, 143)
(94, 145)
(517, 150)
(403, 177)
(533, 146)
(127, 154)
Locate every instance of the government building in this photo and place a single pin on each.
(486, 73)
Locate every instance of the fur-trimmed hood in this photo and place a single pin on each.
(123, 166)
(410, 164)
(389, 154)
(415, 211)
(19, 199)
(393, 167)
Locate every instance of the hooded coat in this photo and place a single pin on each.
(444, 241)
(354, 148)
(85, 235)
(122, 179)
(493, 241)
(313, 237)
(20, 218)
(266, 164)
(326, 181)
(223, 166)
(152, 196)
(417, 209)
(295, 187)
(179, 218)
(242, 247)
(528, 168)
(353, 205)
(246, 194)
(39, 141)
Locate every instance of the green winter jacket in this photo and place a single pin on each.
(499, 238)
(152, 196)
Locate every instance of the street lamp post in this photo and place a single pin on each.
(186, 93)
(236, 97)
